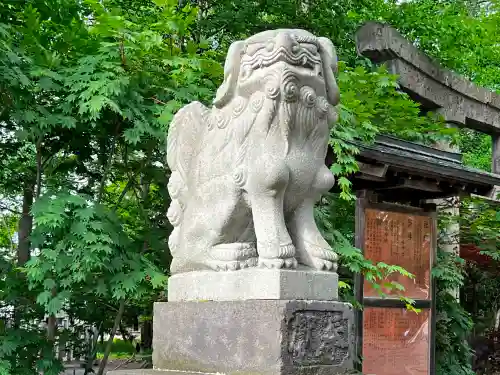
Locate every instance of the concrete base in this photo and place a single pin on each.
(254, 284)
(265, 337)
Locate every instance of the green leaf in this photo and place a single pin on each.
(43, 298)
(48, 284)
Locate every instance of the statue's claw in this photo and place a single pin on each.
(291, 263)
(318, 258)
(220, 265)
(278, 263)
(324, 265)
(251, 262)
(271, 263)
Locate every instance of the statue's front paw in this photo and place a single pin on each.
(285, 259)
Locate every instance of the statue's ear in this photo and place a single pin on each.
(330, 68)
(231, 71)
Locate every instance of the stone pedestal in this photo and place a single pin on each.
(265, 337)
(252, 322)
(254, 284)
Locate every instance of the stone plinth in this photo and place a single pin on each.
(265, 337)
(254, 284)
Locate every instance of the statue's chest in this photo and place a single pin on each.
(303, 164)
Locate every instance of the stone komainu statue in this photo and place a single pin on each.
(247, 172)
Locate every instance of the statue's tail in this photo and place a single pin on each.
(184, 135)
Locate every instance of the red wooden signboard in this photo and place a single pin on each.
(404, 240)
(396, 341)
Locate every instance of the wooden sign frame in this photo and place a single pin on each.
(366, 201)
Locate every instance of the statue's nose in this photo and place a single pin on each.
(287, 41)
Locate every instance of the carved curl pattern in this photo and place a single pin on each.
(322, 106)
(240, 104)
(308, 96)
(257, 102)
(272, 88)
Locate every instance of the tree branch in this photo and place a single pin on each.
(109, 344)
(39, 169)
(107, 167)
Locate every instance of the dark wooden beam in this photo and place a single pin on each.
(495, 157)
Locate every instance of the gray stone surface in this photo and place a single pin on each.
(460, 101)
(252, 284)
(155, 372)
(247, 172)
(262, 337)
(169, 372)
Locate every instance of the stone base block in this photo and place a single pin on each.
(254, 284)
(264, 337)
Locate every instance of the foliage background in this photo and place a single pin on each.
(88, 89)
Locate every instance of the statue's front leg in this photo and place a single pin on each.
(266, 190)
(312, 248)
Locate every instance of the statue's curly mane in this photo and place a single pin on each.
(199, 138)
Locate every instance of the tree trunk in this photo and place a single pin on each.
(146, 326)
(136, 323)
(147, 334)
(51, 328)
(25, 226)
(92, 349)
(125, 334)
(109, 344)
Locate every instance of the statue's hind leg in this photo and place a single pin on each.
(232, 240)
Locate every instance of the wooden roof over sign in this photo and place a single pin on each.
(406, 171)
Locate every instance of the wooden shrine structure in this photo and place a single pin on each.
(396, 217)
